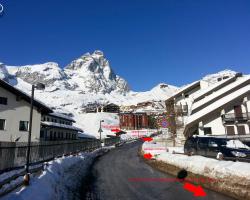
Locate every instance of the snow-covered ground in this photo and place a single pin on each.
(61, 179)
(90, 122)
(135, 134)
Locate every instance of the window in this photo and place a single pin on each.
(42, 134)
(230, 130)
(50, 136)
(212, 143)
(23, 126)
(2, 124)
(3, 100)
(203, 142)
(241, 130)
(207, 130)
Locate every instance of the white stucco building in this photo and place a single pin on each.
(46, 125)
(15, 112)
(220, 108)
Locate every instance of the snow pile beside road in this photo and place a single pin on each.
(61, 179)
(232, 178)
(135, 134)
(198, 164)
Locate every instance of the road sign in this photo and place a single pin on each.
(115, 130)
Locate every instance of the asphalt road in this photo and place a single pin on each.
(110, 176)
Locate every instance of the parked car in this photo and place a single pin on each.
(211, 146)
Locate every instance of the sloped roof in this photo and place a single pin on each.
(24, 96)
(184, 89)
(213, 87)
(220, 92)
(63, 126)
(62, 116)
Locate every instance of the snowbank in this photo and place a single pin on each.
(232, 178)
(135, 134)
(61, 179)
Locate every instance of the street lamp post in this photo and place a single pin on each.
(100, 131)
(38, 86)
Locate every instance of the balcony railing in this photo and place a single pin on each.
(181, 109)
(231, 117)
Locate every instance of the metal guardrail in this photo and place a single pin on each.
(9, 159)
(13, 154)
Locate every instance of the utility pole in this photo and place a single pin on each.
(38, 86)
(100, 131)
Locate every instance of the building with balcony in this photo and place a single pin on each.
(57, 126)
(217, 108)
(225, 111)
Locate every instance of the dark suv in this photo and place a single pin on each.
(211, 146)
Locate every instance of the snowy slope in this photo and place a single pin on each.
(85, 80)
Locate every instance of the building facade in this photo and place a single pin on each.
(15, 112)
(134, 121)
(221, 109)
(218, 108)
(57, 126)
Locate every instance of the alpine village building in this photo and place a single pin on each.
(14, 118)
(219, 109)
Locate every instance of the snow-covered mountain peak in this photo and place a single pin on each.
(93, 73)
(92, 62)
(46, 73)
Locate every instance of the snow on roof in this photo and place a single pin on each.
(85, 135)
(184, 88)
(208, 109)
(220, 92)
(63, 116)
(23, 94)
(53, 124)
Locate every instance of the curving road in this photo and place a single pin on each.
(110, 176)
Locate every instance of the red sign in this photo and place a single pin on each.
(115, 130)
(197, 190)
(148, 155)
(147, 139)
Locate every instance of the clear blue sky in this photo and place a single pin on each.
(146, 41)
